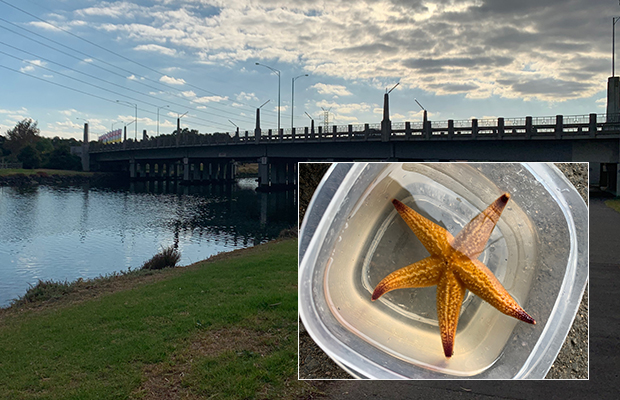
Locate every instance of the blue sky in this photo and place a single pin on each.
(459, 59)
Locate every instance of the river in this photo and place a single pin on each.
(70, 232)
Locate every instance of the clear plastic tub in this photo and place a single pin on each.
(352, 237)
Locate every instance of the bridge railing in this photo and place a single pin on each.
(549, 127)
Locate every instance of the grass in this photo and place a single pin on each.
(9, 172)
(223, 329)
(613, 204)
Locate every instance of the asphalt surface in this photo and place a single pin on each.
(604, 337)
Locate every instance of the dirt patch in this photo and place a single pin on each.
(165, 380)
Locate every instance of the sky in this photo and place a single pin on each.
(65, 62)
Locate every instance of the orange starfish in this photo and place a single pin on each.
(453, 266)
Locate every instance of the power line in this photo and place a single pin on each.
(214, 124)
(100, 67)
(111, 52)
(103, 80)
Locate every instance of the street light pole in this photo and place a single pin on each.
(293, 98)
(277, 73)
(136, 120)
(613, 46)
(158, 118)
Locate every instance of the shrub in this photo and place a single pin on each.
(288, 233)
(45, 290)
(167, 258)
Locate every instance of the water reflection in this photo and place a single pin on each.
(70, 232)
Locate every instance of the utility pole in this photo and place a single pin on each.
(325, 119)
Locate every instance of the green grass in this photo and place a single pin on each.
(614, 204)
(9, 172)
(245, 306)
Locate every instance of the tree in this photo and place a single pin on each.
(61, 158)
(29, 156)
(25, 133)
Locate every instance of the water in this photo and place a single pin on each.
(71, 232)
(375, 242)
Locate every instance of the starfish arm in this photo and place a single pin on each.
(480, 281)
(421, 274)
(450, 293)
(474, 236)
(435, 239)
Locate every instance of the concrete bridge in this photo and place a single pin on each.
(594, 138)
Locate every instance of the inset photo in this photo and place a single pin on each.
(439, 270)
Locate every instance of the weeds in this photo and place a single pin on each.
(167, 258)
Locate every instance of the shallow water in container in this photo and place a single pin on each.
(70, 232)
(376, 241)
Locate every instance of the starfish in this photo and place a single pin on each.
(453, 266)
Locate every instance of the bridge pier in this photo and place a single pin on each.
(276, 173)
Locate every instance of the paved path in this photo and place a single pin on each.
(604, 340)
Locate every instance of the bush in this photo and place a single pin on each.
(167, 258)
(288, 233)
(45, 290)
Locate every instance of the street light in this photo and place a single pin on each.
(158, 118)
(293, 98)
(613, 46)
(136, 120)
(85, 120)
(425, 120)
(116, 122)
(277, 73)
(179, 116)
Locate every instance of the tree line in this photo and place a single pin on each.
(24, 144)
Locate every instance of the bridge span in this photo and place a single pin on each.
(593, 138)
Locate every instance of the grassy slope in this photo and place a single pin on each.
(109, 347)
(8, 172)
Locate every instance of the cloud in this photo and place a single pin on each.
(337, 90)
(525, 50)
(156, 49)
(210, 99)
(69, 112)
(32, 64)
(243, 96)
(172, 81)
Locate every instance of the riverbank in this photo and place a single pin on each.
(29, 177)
(225, 327)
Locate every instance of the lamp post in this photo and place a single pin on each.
(293, 98)
(613, 46)
(237, 130)
(136, 120)
(115, 122)
(158, 108)
(179, 121)
(85, 120)
(277, 73)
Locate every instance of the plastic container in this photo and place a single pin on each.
(352, 237)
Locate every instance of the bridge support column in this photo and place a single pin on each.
(132, 169)
(196, 175)
(292, 174)
(263, 172)
(185, 169)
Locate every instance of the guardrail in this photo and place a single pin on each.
(522, 128)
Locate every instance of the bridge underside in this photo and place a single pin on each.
(277, 161)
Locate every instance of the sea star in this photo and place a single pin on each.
(453, 266)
